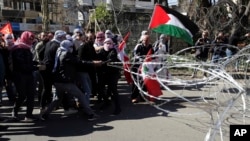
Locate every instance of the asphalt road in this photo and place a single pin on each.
(137, 122)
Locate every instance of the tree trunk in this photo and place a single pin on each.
(45, 18)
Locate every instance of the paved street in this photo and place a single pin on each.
(137, 122)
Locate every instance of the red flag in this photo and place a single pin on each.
(6, 29)
(125, 59)
(153, 86)
(147, 70)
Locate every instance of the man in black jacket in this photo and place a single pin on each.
(109, 75)
(65, 70)
(87, 76)
(49, 60)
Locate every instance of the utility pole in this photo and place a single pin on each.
(45, 17)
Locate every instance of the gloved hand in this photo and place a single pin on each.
(41, 67)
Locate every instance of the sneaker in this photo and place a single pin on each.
(42, 111)
(15, 117)
(1, 103)
(70, 111)
(43, 117)
(135, 100)
(30, 118)
(93, 117)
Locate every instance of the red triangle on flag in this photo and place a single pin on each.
(159, 17)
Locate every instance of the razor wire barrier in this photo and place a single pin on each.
(223, 95)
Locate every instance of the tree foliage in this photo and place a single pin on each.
(219, 15)
(101, 14)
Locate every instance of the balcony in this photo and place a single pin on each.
(144, 4)
(19, 14)
(31, 14)
(12, 13)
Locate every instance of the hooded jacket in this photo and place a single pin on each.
(65, 69)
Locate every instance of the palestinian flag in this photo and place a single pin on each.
(170, 22)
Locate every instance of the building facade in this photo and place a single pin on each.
(28, 15)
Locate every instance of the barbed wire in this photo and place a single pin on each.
(222, 95)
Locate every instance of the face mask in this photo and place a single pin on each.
(99, 43)
(106, 47)
(108, 35)
(9, 40)
(161, 40)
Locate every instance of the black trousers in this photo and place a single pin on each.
(47, 95)
(25, 87)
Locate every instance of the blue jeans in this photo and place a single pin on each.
(85, 84)
(71, 89)
(216, 58)
(229, 53)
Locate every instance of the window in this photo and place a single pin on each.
(145, 0)
(30, 20)
(7, 3)
(160, 1)
(32, 6)
(15, 5)
(18, 20)
(38, 6)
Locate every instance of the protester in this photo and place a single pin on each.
(218, 47)
(23, 68)
(98, 44)
(140, 52)
(49, 61)
(202, 50)
(108, 75)
(87, 75)
(65, 70)
(9, 85)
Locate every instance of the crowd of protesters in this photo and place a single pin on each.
(220, 48)
(77, 66)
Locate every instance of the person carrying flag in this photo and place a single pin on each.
(140, 51)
